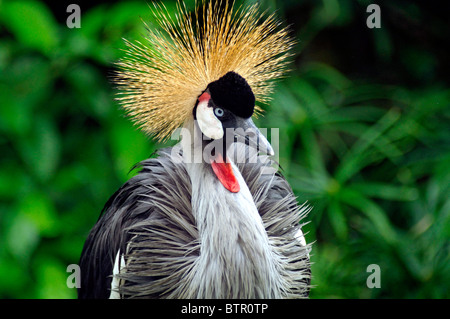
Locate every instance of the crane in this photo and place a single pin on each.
(210, 217)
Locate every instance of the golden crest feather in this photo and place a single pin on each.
(161, 80)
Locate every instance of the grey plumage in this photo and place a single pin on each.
(151, 221)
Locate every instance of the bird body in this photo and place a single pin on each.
(197, 222)
(223, 252)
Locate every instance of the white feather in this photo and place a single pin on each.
(116, 282)
(208, 122)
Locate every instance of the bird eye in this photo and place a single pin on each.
(218, 112)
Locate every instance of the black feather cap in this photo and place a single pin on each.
(233, 93)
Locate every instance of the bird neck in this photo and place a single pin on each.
(236, 259)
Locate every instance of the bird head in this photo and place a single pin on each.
(224, 112)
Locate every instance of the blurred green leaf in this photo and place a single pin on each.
(51, 280)
(32, 23)
(309, 97)
(24, 84)
(22, 237)
(129, 147)
(354, 159)
(12, 276)
(373, 212)
(327, 74)
(386, 191)
(41, 151)
(91, 88)
(313, 154)
(38, 209)
(337, 218)
(13, 180)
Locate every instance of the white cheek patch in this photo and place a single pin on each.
(208, 122)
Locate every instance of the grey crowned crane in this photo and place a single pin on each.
(205, 218)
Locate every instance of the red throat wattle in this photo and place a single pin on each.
(225, 174)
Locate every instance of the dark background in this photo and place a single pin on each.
(364, 119)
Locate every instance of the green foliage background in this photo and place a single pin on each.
(364, 122)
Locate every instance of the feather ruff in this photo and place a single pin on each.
(150, 220)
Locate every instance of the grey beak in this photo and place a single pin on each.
(248, 133)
